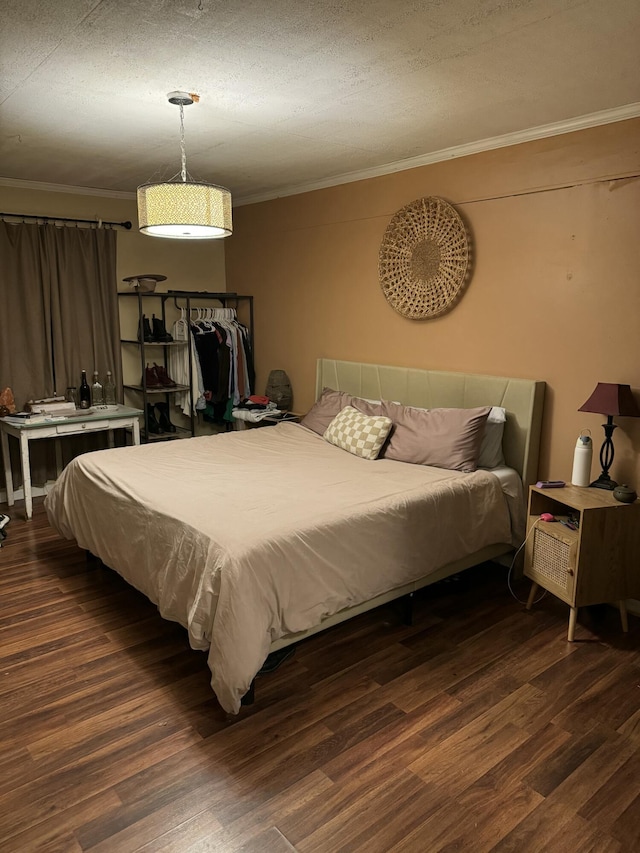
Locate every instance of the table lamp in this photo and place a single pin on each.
(610, 399)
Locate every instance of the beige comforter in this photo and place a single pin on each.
(248, 536)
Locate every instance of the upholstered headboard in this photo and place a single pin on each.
(522, 399)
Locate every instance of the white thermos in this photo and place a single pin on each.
(581, 474)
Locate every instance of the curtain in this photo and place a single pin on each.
(58, 310)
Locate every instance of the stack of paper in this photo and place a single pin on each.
(62, 408)
(25, 418)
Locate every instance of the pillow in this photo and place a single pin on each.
(330, 404)
(444, 438)
(491, 455)
(362, 435)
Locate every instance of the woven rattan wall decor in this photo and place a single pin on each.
(424, 259)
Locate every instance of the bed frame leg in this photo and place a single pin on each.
(406, 605)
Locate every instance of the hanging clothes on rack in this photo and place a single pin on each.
(224, 353)
(179, 368)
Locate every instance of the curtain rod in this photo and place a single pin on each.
(98, 222)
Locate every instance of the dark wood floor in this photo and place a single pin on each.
(477, 729)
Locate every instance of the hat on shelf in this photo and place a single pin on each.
(144, 283)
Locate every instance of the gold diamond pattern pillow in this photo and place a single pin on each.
(362, 435)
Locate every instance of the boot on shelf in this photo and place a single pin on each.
(160, 334)
(153, 427)
(163, 417)
(144, 330)
(163, 377)
(151, 378)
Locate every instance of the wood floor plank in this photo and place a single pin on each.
(476, 728)
(182, 821)
(59, 827)
(626, 827)
(405, 796)
(545, 828)
(477, 821)
(579, 834)
(300, 798)
(36, 801)
(616, 789)
(462, 759)
(607, 703)
(399, 744)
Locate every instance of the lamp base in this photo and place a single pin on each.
(604, 481)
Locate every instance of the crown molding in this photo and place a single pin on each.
(628, 111)
(66, 188)
(543, 131)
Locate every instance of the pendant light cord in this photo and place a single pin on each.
(183, 152)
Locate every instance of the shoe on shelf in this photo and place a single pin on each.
(160, 334)
(153, 427)
(165, 380)
(144, 330)
(163, 417)
(151, 378)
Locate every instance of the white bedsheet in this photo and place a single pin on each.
(248, 536)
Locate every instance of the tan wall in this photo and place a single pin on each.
(554, 295)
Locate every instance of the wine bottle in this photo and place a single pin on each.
(109, 390)
(97, 395)
(85, 392)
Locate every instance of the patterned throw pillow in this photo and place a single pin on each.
(359, 434)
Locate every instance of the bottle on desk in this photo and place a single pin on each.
(97, 394)
(84, 392)
(109, 390)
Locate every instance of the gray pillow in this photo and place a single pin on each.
(491, 454)
(444, 438)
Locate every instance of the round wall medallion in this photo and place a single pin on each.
(424, 258)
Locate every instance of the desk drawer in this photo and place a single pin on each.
(77, 428)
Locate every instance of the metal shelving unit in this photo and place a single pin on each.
(186, 299)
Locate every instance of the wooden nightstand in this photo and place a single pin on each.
(598, 562)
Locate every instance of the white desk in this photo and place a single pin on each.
(93, 421)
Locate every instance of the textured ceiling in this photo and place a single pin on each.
(293, 91)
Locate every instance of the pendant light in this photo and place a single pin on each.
(182, 208)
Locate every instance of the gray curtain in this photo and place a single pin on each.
(58, 311)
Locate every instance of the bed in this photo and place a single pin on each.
(253, 540)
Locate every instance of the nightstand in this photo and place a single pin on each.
(596, 563)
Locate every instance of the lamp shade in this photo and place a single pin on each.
(611, 399)
(187, 210)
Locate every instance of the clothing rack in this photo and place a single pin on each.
(208, 313)
(225, 298)
(224, 316)
(184, 302)
(98, 222)
(225, 312)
